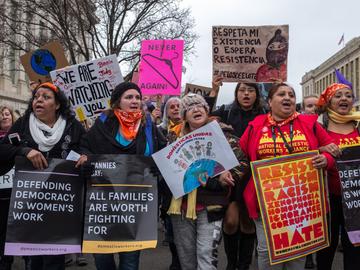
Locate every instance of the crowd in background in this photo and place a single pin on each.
(224, 206)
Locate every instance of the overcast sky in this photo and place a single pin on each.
(315, 28)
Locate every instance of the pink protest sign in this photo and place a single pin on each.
(161, 67)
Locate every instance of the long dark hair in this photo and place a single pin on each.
(258, 104)
(60, 98)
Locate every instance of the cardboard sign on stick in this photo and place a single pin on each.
(197, 89)
(251, 53)
(39, 63)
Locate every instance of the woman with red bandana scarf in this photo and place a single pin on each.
(125, 129)
(336, 103)
(282, 131)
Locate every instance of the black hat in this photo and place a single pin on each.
(120, 90)
(278, 38)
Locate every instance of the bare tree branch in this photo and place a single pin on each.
(94, 28)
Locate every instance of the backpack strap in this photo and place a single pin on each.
(149, 133)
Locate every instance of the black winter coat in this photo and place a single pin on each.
(100, 139)
(70, 140)
(232, 114)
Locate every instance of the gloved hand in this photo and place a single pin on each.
(86, 170)
(155, 171)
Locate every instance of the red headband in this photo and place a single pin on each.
(329, 92)
(47, 85)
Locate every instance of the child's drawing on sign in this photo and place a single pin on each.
(198, 173)
(192, 150)
(187, 154)
(189, 161)
(180, 163)
(209, 153)
(198, 149)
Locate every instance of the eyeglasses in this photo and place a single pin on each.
(195, 106)
(249, 90)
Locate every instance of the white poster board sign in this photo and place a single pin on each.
(89, 85)
(203, 151)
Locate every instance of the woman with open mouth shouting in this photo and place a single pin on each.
(238, 228)
(282, 131)
(336, 103)
(48, 129)
(124, 129)
(197, 216)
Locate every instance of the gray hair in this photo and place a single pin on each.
(165, 120)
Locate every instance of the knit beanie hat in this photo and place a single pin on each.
(120, 90)
(189, 100)
(329, 92)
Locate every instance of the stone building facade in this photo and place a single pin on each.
(347, 61)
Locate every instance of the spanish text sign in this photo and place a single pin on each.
(348, 166)
(41, 203)
(250, 53)
(89, 85)
(291, 196)
(161, 67)
(203, 151)
(121, 205)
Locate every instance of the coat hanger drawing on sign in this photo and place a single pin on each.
(148, 58)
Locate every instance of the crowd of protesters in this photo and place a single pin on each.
(225, 206)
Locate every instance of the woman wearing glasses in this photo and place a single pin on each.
(238, 229)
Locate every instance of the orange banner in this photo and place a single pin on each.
(291, 196)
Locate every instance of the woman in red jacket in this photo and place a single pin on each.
(336, 103)
(282, 131)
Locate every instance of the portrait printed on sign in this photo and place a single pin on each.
(291, 197)
(186, 163)
(251, 53)
(89, 85)
(161, 67)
